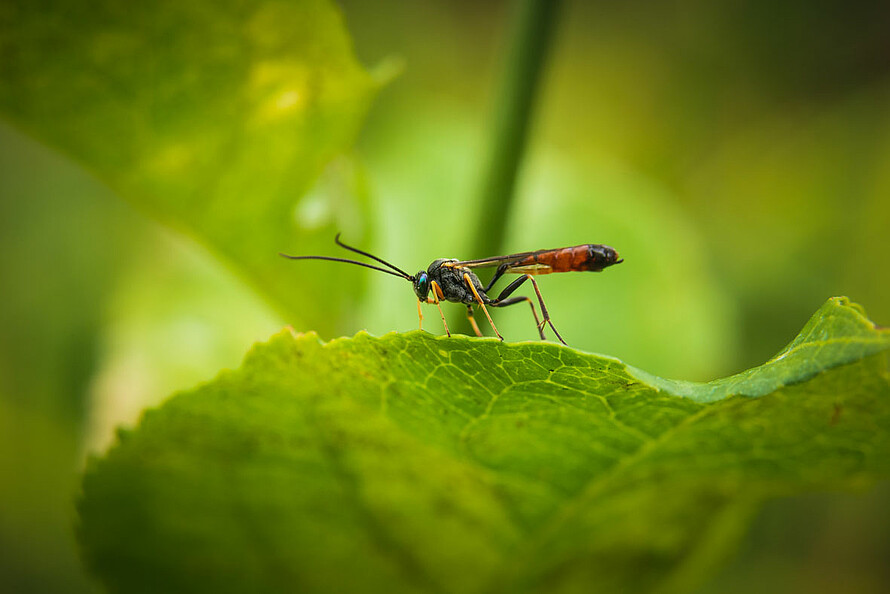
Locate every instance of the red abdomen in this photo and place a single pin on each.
(579, 258)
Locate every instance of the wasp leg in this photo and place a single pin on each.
(419, 314)
(437, 293)
(497, 274)
(473, 320)
(515, 285)
(513, 301)
(481, 303)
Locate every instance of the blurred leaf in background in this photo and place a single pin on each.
(213, 118)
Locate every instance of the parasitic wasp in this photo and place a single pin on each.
(455, 281)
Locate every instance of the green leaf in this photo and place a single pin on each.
(214, 117)
(415, 463)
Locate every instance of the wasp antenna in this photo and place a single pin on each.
(372, 256)
(330, 259)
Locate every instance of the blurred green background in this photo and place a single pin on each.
(736, 154)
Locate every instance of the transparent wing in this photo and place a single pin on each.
(495, 260)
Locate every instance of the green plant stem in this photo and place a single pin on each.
(529, 40)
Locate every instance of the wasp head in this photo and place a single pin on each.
(421, 282)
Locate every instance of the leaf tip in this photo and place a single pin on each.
(844, 303)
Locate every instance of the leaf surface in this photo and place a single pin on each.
(413, 463)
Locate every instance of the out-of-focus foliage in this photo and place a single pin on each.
(417, 464)
(54, 279)
(214, 118)
(740, 152)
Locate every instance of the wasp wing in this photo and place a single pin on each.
(588, 256)
(493, 261)
(512, 260)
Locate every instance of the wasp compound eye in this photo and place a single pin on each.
(421, 285)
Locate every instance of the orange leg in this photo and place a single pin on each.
(481, 303)
(420, 314)
(473, 320)
(437, 294)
